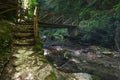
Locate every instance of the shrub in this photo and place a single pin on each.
(100, 29)
(5, 35)
(38, 47)
(54, 34)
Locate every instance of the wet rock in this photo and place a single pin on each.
(107, 53)
(82, 76)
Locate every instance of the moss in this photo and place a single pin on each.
(38, 47)
(51, 76)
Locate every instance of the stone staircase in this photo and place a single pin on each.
(23, 35)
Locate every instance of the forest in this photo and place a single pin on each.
(59, 40)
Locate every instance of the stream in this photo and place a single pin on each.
(62, 61)
(83, 62)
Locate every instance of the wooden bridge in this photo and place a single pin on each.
(51, 20)
(26, 33)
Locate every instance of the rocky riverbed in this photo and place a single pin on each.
(62, 63)
(26, 64)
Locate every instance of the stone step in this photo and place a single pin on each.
(24, 31)
(24, 40)
(23, 28)
(23, 44)
(23, 35)
(24, 25)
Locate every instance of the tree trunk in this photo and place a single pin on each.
(23, 10)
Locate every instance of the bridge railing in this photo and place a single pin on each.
(65, 19)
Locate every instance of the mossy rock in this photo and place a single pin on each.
(67, 54)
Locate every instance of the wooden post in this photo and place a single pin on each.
(72, 31)
(35, 24)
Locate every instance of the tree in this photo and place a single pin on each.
(25, 10)
(7, 9)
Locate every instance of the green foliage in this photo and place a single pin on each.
(98, 18)
(77, 7)
(54, 34)
(38, 47)
(5, 35)
(85, 13)
(100, 29)
(32, 4)
(5, 41)
(116, 8)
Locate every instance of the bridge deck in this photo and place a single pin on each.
(48, 25)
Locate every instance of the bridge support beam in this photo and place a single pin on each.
(72, 31)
